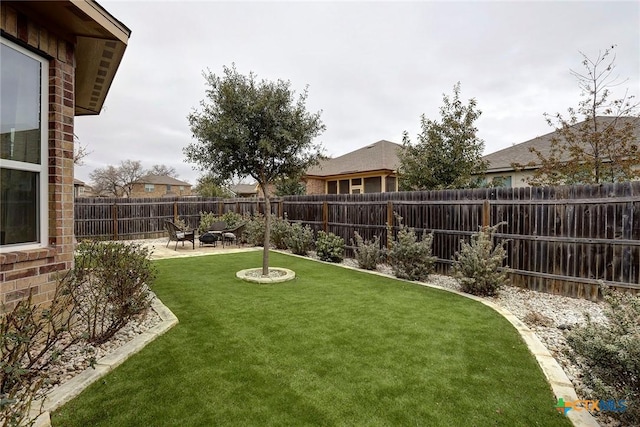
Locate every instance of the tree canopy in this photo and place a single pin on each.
(209, 185)
(118, 180)
(448, 152)
(254, 128)
(597, 142)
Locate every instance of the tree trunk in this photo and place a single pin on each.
(267, 230)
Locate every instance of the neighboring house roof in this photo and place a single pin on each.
(161, 180)
(244, 189)
(77, 182)
(520, 153)
(381, 155)
(100, 42)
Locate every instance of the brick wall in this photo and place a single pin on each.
(36, 270)
(159, 190)
(315, 186)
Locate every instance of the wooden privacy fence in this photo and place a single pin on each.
(559, 239)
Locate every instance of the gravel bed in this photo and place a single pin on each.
(548, 316)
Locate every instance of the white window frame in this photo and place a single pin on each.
(43, 168)
(149, 188)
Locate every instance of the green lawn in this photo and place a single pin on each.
(333, 347)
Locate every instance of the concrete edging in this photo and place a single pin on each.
(104, 365)
(560, 384)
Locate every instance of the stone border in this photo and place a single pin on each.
(247, 277)
(104, 365)
(560, 384)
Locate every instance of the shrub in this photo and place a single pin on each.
(330, 247)
(32, 338)
(231, 219)
(368, 254)
(254, 230)
(409, 257)
(609, 353)
(110, 285)
(181, 224)
(206, 221)
(300, 241)
(280, 230)
(476, 265)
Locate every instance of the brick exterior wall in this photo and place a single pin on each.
(159, 190)
(37, 270)
(315, 186)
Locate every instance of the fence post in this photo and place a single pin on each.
(389, 224)
(220, 208)
(115, 221)
(325, 216)
(486, 213)
(175, 211)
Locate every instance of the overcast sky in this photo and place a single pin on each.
(373, 68)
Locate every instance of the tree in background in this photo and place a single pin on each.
(163, 170)
(210, 185)
(290, 187)
(598, 142)
(448, 153)
(118, 181)
(254, 128)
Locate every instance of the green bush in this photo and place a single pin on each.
(111, 282)
(280, 230)
(330, 247)
(300, 241)
(206, 221)
(33, 337)
(231, 219)
(180, 223)
(368, 254)
(609, 353)
(477, 264)
(254, 230)
(409, 257)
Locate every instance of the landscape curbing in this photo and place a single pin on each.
(106, 364)
(560, 384)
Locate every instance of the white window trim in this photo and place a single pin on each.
(43, 167)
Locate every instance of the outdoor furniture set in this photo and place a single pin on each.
(218, 232)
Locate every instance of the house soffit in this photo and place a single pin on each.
(100, 41)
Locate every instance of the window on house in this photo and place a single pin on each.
(149, 188)
(344, 186)
(168, 188)
(373, 184)
(500, 181)
(390, 184)
(23, 148)
(332, 187)
(182, 188)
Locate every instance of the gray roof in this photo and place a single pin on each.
(161, 180)
(520, 153)
(244, 188)
(381, 155)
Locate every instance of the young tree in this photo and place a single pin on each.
(448, 152)
(253, 128)
(598, 142)
(209, 185)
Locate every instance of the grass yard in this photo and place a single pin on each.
(334, 347)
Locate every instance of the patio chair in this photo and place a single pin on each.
(177, 235)
(234, 233)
